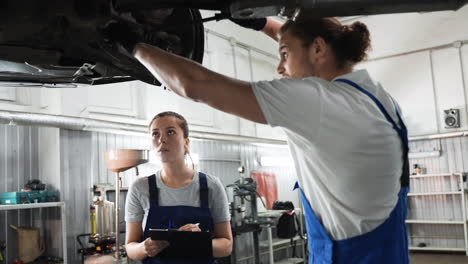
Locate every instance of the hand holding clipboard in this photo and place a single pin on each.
(184, 243)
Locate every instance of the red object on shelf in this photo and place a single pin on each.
(266, 186)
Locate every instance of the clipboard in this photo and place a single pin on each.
(184, 244)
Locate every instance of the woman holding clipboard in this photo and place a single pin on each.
(176, 197)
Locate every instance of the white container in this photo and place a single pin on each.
(260, 207)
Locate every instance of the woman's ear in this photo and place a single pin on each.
(187, 146)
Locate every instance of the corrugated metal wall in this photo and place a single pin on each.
(76, 172)
(18, 164)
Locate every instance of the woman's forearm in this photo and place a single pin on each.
(222, 247)
(135, 251)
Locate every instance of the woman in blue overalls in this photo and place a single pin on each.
(176, 197)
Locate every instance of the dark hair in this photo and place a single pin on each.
(349, 43)
(183, 124)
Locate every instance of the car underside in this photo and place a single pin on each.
(59, 42)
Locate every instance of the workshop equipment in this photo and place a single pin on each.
(244, 212)
(14, 198)
(102, 226)
(34, 192)
(119, 160)
(29, 197)
(102, 222)
(35, 185)
(2, 249)
(104, 214)
(30, 245)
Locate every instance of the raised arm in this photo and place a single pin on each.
(191, 80)
(272, 28)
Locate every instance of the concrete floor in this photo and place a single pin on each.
(438, 258)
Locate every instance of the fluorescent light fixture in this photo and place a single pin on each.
(276, 161)
(425, 154)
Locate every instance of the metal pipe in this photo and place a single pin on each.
(439, 136)
(67, 122)
(443, 46)
(117, 213)
(271, 258)
(462, 70)
(256, 247)
(88, 124)
(434, 90)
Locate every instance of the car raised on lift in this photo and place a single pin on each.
(61, 42)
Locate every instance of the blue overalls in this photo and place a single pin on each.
(388, 243)
(164, 217)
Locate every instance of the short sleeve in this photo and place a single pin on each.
(219, 203)
(134, 211)
(294, 104)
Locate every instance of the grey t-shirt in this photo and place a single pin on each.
(137, 202)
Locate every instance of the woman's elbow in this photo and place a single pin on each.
(226, 249)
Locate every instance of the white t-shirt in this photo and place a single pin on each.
(347, 156)
(137, 203)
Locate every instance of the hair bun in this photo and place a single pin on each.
(360, 27)
(356, 42)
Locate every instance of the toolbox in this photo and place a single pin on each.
(29, 197)
(14, 198)
(52, 196)
(37, 196)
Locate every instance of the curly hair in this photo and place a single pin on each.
(350, 43)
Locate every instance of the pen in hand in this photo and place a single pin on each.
(196, 224)
(191, 227)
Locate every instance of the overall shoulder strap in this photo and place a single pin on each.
(203, 190)
(153, 188)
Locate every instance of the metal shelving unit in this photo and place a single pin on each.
(442, 192)
(6, 207)
(271, 242)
